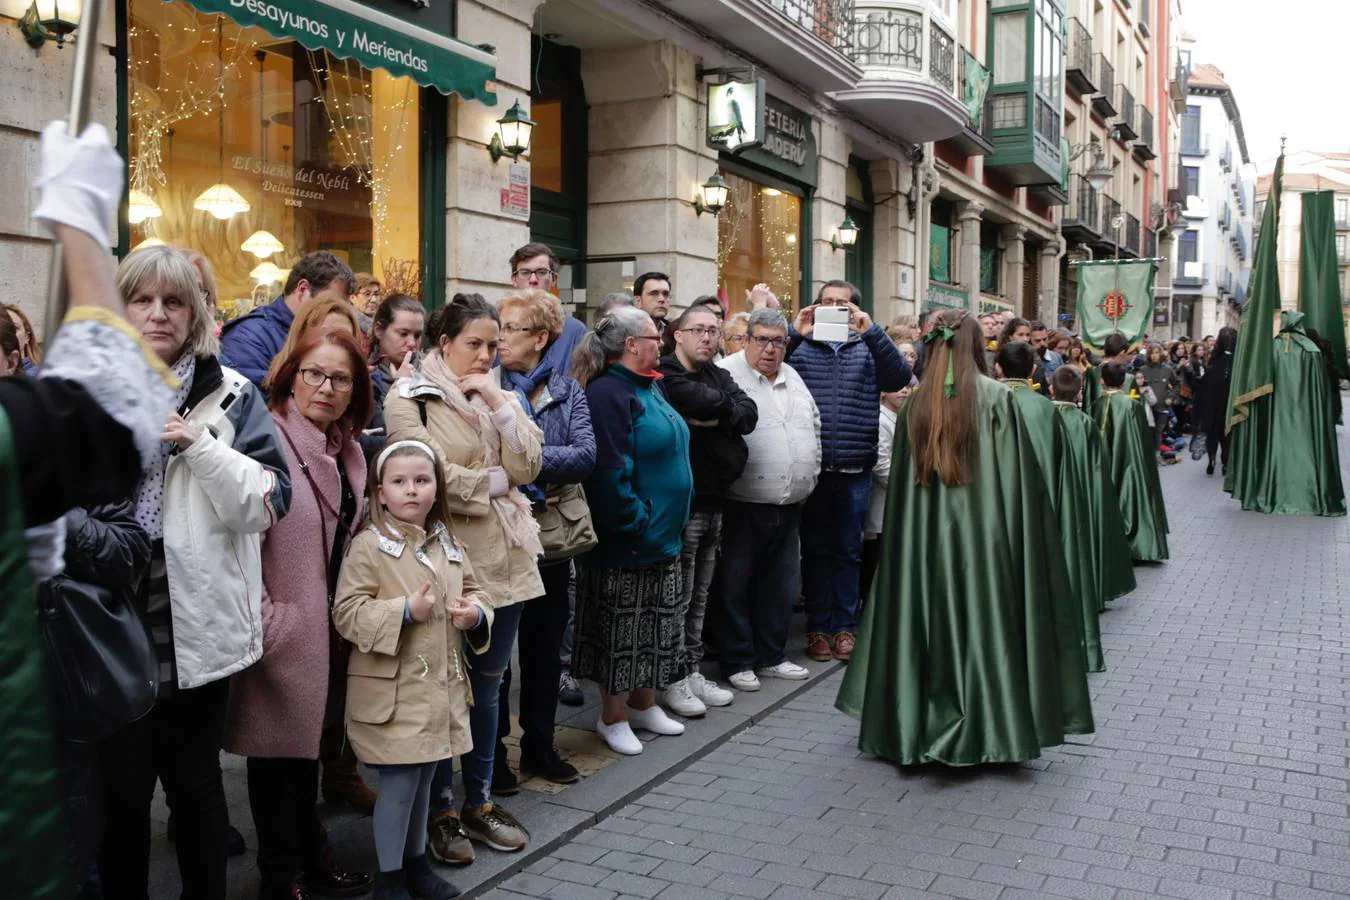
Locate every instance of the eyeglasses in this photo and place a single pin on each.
(766, 342)
(527, 274)
(703, 331)
(513, 328)
(316, 377)
(736, 339)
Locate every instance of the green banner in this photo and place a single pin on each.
(975, 89)
(1115, 296)
(939, 253)
(372, 38)
(1319, 276)
(1253, 362)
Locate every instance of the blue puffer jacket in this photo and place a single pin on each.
(251, 342)
(569, 443)
(846, 381)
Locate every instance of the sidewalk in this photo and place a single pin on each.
(554, 814)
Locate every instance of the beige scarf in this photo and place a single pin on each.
(513, 510)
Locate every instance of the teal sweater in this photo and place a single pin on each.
(642, 485)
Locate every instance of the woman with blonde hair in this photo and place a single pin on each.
(971, 646)
(30, 348)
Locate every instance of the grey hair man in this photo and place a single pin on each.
(614, 299)
(760, 571)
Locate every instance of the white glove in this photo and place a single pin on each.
(498, 483)
(79, 181)
(47, 549)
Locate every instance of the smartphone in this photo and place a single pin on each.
(831, 324)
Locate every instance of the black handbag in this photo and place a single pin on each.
(101, 661)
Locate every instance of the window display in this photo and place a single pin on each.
(759, 237)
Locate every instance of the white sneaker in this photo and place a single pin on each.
(709, 692)
(785, 669)
(619, 736)
(744, 681)
(655, 720)
(681, 700)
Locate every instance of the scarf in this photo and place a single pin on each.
(150, 493)
(524, 385)
(512, 509)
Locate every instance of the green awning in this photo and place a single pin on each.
(372, 38)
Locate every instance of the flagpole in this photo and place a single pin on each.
(80, 92)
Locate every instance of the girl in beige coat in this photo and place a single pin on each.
(408, 602)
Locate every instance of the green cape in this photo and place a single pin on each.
(1299, 473)
(1046, 431)
(1092, 387)
(33, 836)
(1127, 443)
(970, 649)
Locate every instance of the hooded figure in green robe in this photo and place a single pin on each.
(1301, 473)
(1127, 439)
(970, 649)
(1089, 512)
(1015, 362)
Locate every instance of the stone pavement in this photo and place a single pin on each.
(1218, 769)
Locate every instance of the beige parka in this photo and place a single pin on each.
(408, 691)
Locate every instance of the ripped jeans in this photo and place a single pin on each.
(485, 679)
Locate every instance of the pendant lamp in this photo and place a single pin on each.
(220, 200)
(266, 273)
(262, 243)
(141, 206)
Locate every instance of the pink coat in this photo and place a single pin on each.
(277, 706)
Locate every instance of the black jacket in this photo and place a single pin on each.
(717, 451)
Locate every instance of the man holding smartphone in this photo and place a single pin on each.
(846, 372)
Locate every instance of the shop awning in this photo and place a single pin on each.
(372, 38)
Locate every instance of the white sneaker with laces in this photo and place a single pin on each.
(785, 669)
(709, 692)
(619, 736)
(744, 681)
(655, 720)
(679, 699)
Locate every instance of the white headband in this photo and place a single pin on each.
(396, 445)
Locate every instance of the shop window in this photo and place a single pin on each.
(546, 151)
(991, 259)
(322, 154)
(759, 240)
(940, 243)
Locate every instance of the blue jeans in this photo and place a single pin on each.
(759, 578)
(485, 680)
(832, 537)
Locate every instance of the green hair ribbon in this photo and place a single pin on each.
(945, 333)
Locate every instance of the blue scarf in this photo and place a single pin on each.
(524, 386)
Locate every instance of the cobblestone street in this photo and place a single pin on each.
(1218, 768)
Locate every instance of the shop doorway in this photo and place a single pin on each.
(558, 148)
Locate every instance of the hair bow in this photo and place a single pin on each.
(945, 333)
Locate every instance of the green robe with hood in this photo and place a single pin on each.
(1127, 442)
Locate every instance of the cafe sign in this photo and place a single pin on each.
(779, 139)
(944, 296)
(736, 115)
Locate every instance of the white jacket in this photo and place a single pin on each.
(219, 496)
(784, 448)
(881, 473)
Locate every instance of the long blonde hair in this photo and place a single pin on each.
(941, 417)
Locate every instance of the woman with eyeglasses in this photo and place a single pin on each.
(320, 399)
(733, 333)
(630, 609)
(218, 480)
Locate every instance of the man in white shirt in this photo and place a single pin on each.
(760, 569)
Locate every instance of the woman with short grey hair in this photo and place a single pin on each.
(630, 614)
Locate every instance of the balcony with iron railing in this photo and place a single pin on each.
(1143, 147)
(908, 58)
(1127, 127)
(972, 83)
(1150, 243)
(1226, 218)
(1191, 274)
(1103, 103)
(1240, 243)
(1082, 217)
(1113, 225)
(1132, 233)
(1226, 157)
(1179, 86)
(809, 41)
(1078, 69)
(1224, 282)
(1196, 145)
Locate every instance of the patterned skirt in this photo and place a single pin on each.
(629, 627)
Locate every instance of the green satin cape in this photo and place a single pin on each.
(33, 838)
(1092, 387)
(970, 649)
(1089, 516)
(1127, 443)
(1292, 467)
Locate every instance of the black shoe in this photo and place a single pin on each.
(1209, 469)
(504, 781)
(333, 882)
(234, 841)
(391, 886)
(569, 692)
(424, 883)
(550, 767)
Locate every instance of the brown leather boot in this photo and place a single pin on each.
(342, 784)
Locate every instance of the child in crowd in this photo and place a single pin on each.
(891, 401)
(408, 602)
